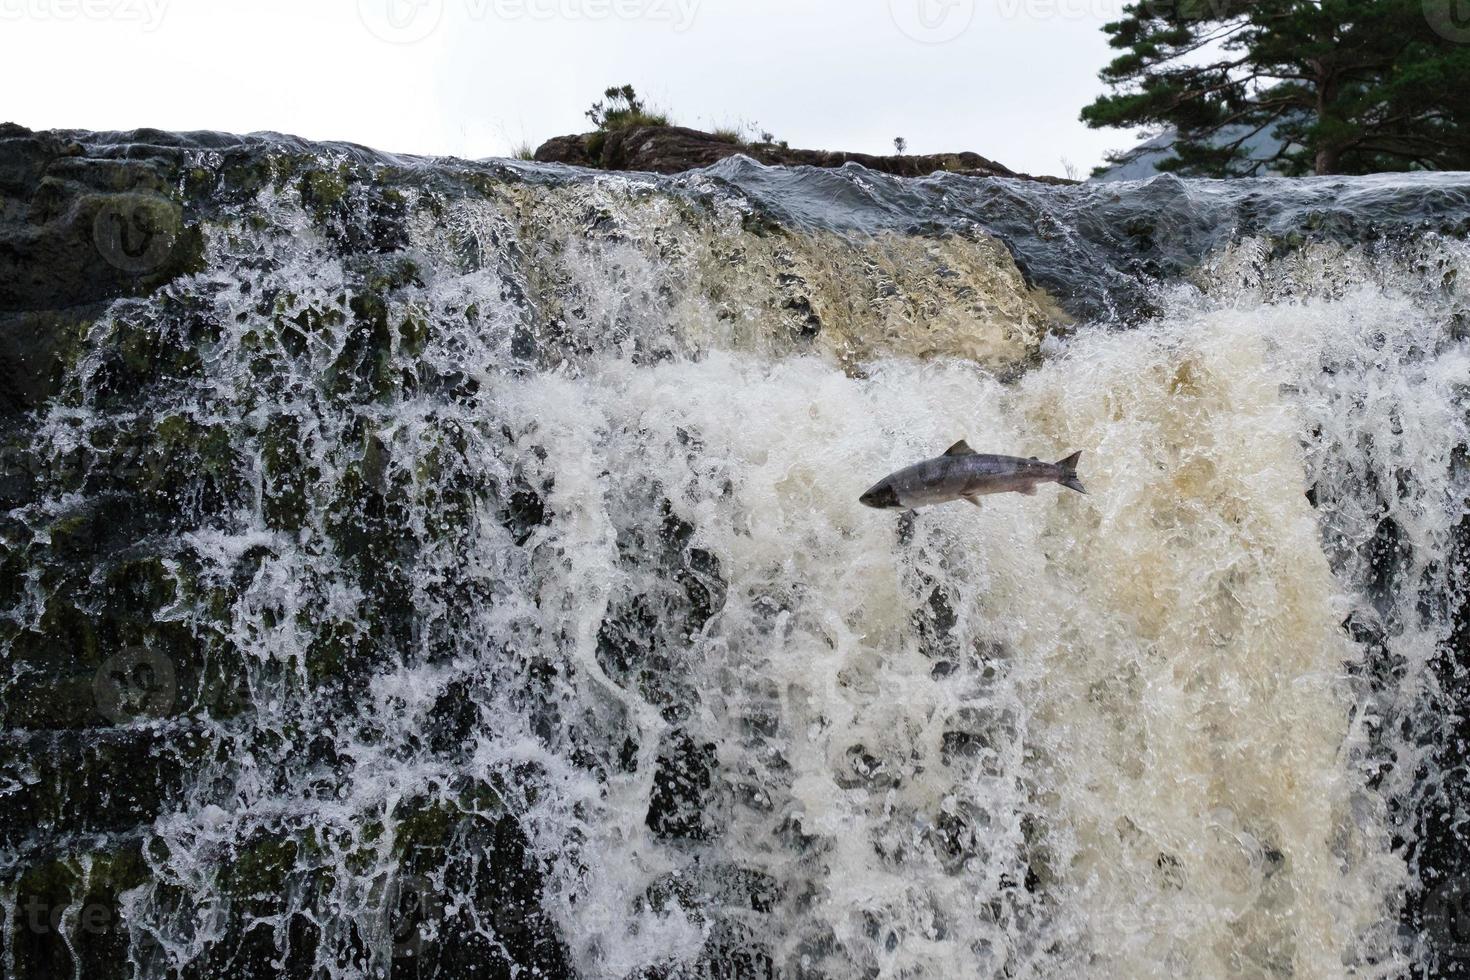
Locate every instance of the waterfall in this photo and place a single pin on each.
(441, 569)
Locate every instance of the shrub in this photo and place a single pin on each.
(744, 133)
(621, 109)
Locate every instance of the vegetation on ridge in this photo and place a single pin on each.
(623, 109)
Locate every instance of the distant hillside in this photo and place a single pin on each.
(1142, 162)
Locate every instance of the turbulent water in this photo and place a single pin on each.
(478, 585)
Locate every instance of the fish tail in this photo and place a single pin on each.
(1068, 478)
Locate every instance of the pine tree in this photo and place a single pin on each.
(1349, 86)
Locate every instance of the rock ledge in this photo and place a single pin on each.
(674, 149)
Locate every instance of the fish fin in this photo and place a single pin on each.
(973, 500)
(1069, 473)
(1030, 491)
(961, 448)
(1035, 459)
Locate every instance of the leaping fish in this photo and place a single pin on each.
(963, 474)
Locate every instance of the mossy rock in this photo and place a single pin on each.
(340, 655)
(261, 867)
(104, 613)
(323, 191)
(288, 476)
(37, 348)
(67, 916)
(81, 784)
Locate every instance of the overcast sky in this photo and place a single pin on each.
(473, 78)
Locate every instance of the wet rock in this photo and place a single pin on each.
(524, 513)
(72, 236)
(456, 717)
(646, 636)
(959, 836)
(808, 324)
(680, 807)
(486, 867)
(1442, 848)
(67, 783)
(66, 918)
(934, 622)
(626, 637)
(35, 347)
(1388, 555)
(736, 951)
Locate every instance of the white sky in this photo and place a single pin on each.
(1004, 78)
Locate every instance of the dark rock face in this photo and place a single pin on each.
(679, 808)
(674, 149)
(125, 700)
(74, 233)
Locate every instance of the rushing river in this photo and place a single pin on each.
(456, 570)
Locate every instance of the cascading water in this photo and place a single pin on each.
(435, 569)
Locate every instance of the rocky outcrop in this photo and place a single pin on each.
(674, 149)
(74, 233)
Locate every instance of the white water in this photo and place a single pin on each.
(1121, 735)
(1150, 683)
